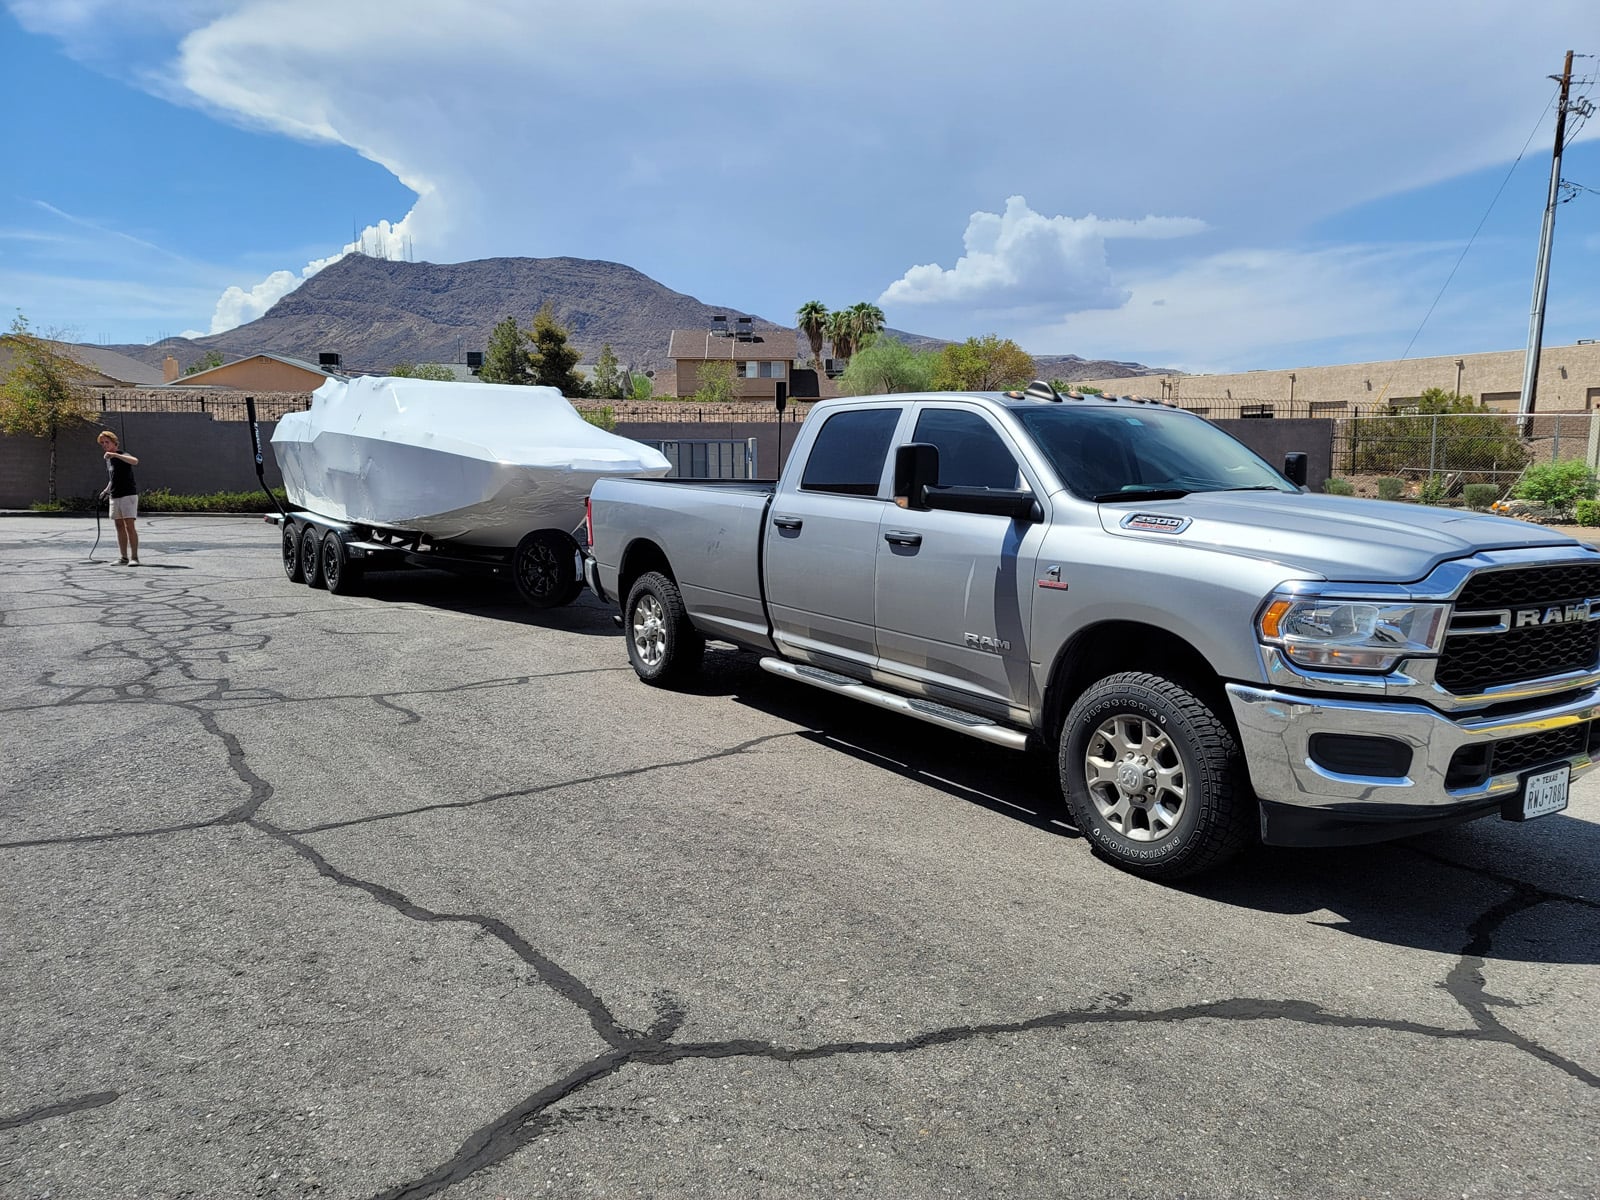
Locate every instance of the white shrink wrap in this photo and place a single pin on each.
(477, 463)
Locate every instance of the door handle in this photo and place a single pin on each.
(902, 537)
(787, 522)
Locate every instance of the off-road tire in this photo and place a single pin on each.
(663, 645)
(1172, 742)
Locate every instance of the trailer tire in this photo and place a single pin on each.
(341, 574)
(1153, 777)
(291, 552)
(311, 556)
(545, 568)
(663, 645)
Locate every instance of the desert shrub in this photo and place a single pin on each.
(602, 418)
(1480, 496)
(1586, 512)
(1338, 487)
(1434, 490)
(161, 500)
(1556, 484)
(1390, 488)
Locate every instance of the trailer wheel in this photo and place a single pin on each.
(311, 556)
(340, 573)
(291, 552)
(545, 568)
(1153, 777)
(663, 644)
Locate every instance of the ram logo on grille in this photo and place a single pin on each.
(1555, 614)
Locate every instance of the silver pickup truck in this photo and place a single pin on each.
(1212, 653)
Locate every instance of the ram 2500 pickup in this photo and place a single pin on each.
(1212, 653)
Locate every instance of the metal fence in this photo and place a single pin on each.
(1451, 450)
(728, 458)
(223, 406)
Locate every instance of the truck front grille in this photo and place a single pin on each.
(1474, 663)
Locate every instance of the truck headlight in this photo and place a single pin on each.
(1353, 635)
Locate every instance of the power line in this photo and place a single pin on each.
(1462, 256)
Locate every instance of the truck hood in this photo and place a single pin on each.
(1336, 537)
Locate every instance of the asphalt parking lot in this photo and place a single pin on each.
(413, 893)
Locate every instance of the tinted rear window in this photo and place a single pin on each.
(850, 451)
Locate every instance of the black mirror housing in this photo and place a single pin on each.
(1294, 468)
(995, 502)
(916, 469)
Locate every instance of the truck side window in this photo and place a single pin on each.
(849, 452)
(971, 453)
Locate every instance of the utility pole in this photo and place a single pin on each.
(1541, 280)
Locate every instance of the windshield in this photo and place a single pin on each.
(1129, 453)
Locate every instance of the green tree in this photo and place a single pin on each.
(889, 365)
(211, 358)
(866, 322)
(551, 360)
(607, 381)
(1443, 431)
(644, 388)
(813, 322)
(42, 393)
(505, 359)
(841, 332)
(716, 382)
(437, 372)
(1066, 385)
(986, 364)
(602, 418)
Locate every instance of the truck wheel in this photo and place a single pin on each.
(311, 556)
(545, 566)
(340, 574)
(1153, 777)
(291, 552)
(663, 645)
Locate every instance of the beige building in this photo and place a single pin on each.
(762, 358)
(258, 372)
(1569, 381)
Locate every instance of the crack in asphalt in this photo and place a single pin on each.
(60, 1109)
(526, 1120)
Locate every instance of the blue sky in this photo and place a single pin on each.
(1209, 187)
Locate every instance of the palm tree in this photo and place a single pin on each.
(841, 332)
(813, 322)
(866, 321)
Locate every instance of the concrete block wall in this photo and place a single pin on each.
(190, 453)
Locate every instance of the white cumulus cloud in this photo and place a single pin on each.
(239, 306)
(1020, 261)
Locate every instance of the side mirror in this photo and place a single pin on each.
(916, 469)
(1294, 468)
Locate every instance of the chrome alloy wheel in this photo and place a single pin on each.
(1135, 777)
(649, 630)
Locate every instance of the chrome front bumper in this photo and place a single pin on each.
(1275, 729)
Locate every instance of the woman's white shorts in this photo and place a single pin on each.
(124, 507)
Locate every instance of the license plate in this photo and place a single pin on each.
(1543, 793)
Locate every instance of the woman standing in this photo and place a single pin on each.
(124, 493)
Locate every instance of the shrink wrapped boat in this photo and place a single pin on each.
(478, 463)
(477, 478)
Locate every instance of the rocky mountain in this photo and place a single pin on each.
(376, 312)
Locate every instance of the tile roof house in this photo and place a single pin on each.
(761, 357)
(101, 368)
